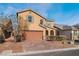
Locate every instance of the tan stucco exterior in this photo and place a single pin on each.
(35, 24)
(75, 34)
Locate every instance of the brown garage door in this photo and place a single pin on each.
(33, 35)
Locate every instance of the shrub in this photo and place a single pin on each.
(59, 38)
(50, 38)
(55, 38)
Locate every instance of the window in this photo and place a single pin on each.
(51, 32)
(29, 18)
(41, 21)
(46, 32)
(57, 32)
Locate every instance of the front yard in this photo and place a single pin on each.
(14, 47)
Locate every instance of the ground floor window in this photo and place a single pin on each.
(57, 32)
(51, 32)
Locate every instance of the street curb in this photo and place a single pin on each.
(38, 52)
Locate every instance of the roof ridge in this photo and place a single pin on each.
(35, 13)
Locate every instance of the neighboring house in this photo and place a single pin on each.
(75, 33)
(67, 30)
(34, 25)
(71, 32)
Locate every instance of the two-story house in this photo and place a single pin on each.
(35, 26)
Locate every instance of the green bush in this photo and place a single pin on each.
(55, 38)
(59, 38)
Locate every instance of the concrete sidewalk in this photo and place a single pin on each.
(38, 52)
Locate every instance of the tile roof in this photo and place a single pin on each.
(44, 26)
(59, 26)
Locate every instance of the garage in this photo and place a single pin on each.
(34, 35)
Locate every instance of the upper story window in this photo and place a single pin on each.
(30, 18)
(41, 21)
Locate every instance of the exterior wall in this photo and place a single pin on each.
(50, 24)
(30, 26)
(75, 35)
(44, 32)
(68, 34)
(78, 33)
(61, 32)
(71, 34)
(35, 25)
(50, 30)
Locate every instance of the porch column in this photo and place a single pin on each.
(54, 32)
(72, 34)
(77, 34)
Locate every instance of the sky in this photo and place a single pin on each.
(61, 13)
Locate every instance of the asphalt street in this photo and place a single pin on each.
(59, 53)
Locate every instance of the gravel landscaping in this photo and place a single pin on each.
(10, 46)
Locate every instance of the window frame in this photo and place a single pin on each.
(41, 21)
(31, 20)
